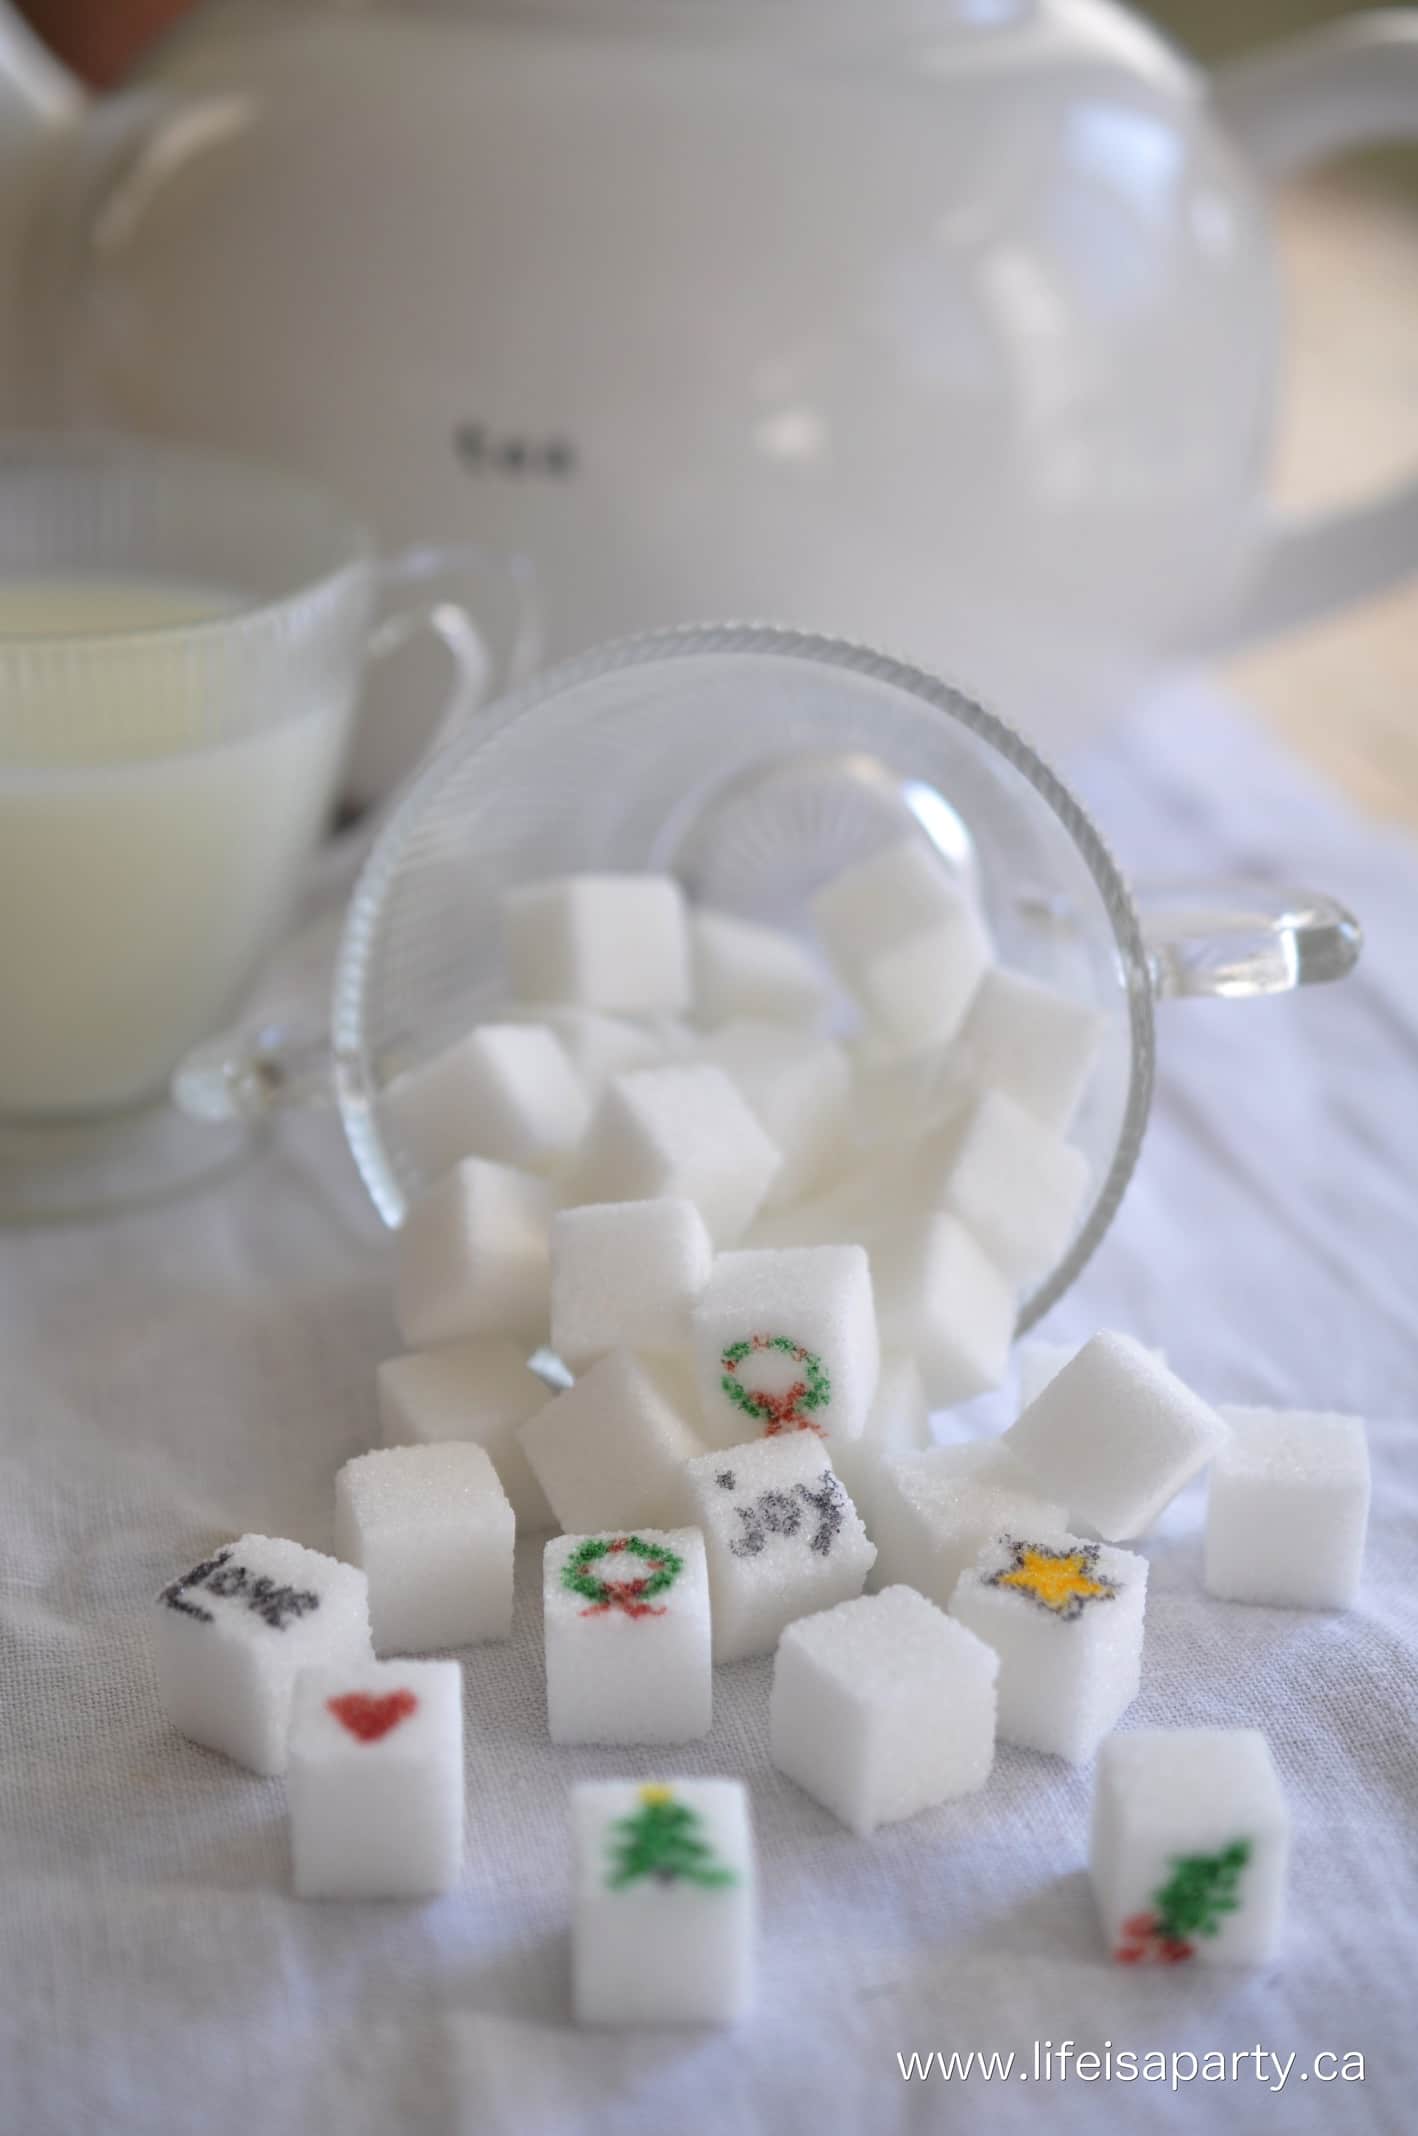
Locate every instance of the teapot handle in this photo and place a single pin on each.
(1350, 85)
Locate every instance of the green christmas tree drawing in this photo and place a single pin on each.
(663, 1839)
(1201, 1890)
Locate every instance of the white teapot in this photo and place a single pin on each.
(951, 324)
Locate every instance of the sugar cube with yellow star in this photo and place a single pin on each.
(1065, 1617)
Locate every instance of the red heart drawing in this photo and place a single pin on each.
(370, 1718)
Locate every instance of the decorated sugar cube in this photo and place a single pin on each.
(898, 1423)
(1190, 1845)
(612, 1447)
(882, 1707)
(627, 1637)
(799, 1088)
(682, 1131)
(908, 940)
(1031, 1044)
(934, 1512)
(479, 1390)
(1065, 1617)
(942, 1299)
(432, 1530)
(472, 1257)
(781, 1537)
(600, 941)
(1288, 1509)
(785, 1341)
(231, 1636)
(624, 1275)
(664, 1912)
(1016, 1186)
(375, 1783)
(507, 1092)
(744, 969)
(1115, 1436)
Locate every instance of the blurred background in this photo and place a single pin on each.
(1341, 692)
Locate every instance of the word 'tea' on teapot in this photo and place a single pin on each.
(952, 324)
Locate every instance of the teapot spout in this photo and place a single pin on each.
(38, 99)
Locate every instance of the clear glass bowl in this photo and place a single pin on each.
(754, 763)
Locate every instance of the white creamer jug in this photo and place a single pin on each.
(947, 323)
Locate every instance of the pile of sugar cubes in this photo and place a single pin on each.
(747, 1289)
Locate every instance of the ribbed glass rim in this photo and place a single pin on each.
(352, 543)
(355, 1084)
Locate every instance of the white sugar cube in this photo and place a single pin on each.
(883, 1707)
(682, 1131)
(611, 1448)
(472, 1257)
(627, 1637)
(781, 1536)
(942, 1299)
(1016, 1186)
(375, 1785)
(934, 1512)
(1115, 1436)
(598, 1046)
(231, 1636)
(786, 1341)
(601, 941)
(892, 1093)
(1037, 1362)
(898, 1422)
(1032, 1044)
(908, 940)
(1288, 1509)
(664, 1911)
(1191, 1837)
(799, 1089)
(507, 1092)
(1065, 1617)
(744, 969)
(479, 1391)
(431, 1528)
(624, 1275)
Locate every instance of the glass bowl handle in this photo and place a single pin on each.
(1236, 941)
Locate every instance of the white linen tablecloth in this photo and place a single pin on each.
(171, 1378)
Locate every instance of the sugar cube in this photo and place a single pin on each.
(1037, 1362)
(1065, 1617)
(431, 1528)
(231, 1635)
(375, 1785)
(506, 1091)
(1031, 1044)
(942, 1299)
(598, 1046)
(798, 1087)
(781, 1536)
(664, 1915)
(601, 941)
(625, 1275)
(682, 1131)
(892, 1091)
(744, 969)
(785, 1341)
(934, 1512)
(1288, 1509)
(627, 1637)
(1016, 1186)
(472, 1257)
(1115, 1436)
(908, 940)
(898, 1422)
(1190, 1842)
(611, 1447)
(479, 1390)
(882, 1707)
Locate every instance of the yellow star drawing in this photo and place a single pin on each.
(655, 1793)
(1060, 1581)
